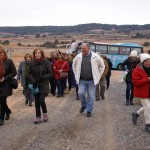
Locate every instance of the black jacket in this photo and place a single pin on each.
(5, 89)
(130, 66)
(39, 74)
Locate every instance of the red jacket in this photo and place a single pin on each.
(58, 66)
(140, 82)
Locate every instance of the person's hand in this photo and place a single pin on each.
(148, 78)
(2, 79)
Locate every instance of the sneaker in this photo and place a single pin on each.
(89, 114)
(134, 118)
(147, 128)
(37, 120)
(131, 103)
(82, 109)
(1, 122)
(127, 103)
(103, 97)
(45, 117)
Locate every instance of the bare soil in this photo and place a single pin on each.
(109, 128)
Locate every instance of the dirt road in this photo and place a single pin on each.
(109, 128)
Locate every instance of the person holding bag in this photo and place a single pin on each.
(40, 71)
(7, 73)
(61, 69)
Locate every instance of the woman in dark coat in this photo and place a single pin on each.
(131, 62)
(39, 73)
(22, 75)
(7, 72)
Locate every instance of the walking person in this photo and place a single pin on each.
(131, 62)
(100, 87)
(109, 71)
(141, 82)
(7, 72)
(39, 73)
(60, 66)
(88, 68)
(22, 76)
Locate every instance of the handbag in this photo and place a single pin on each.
(63, 74)
(33, 90)
(13, 83)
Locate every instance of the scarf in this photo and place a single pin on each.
(2, 67)
(39, 60)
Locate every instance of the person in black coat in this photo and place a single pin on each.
(7, 72)
(40, 71)
(131, 62)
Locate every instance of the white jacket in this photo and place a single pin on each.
(97, 65)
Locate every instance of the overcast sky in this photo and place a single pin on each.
(69, 12)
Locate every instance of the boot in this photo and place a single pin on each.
(134, 118)
(147, 128)
(1, 122)
(127, 103)
(45, 117)
(37, 120)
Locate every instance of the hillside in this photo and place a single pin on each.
(82, 28)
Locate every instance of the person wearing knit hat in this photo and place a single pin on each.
(130, 63)
(133, 53)
(141, 82)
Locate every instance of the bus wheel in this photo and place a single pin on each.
(119, 67)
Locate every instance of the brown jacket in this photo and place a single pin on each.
(105, 70)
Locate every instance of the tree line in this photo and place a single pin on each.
(81, 28)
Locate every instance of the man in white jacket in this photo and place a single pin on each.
(88, 68)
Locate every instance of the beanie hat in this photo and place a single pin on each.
(144, 56)
(133, 53)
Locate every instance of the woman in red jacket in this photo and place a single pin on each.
(141, 82)
(60, 66)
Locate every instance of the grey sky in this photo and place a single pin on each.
(68, 12)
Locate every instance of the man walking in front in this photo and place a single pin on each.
(88, 68)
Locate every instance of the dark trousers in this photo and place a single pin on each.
(70, 81)
(40, 103)
(3, 107)
(129, 91)
(61, 86)
(77, 89)
(53, 86)
(107, 81)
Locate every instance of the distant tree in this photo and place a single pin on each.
(6, 42)
(56, 41)
(44, 36)
(19, 44)
(37, 35)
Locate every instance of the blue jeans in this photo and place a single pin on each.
(61, 86)
(91, 89)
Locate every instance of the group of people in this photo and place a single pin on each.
(87, 72)
(138, 84)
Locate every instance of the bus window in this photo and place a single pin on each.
(139, 50)
(124, 50)
(101, 49)
(92, 47)
(113, 50)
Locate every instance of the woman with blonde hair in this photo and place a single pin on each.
(40, 71)
(7, 72)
